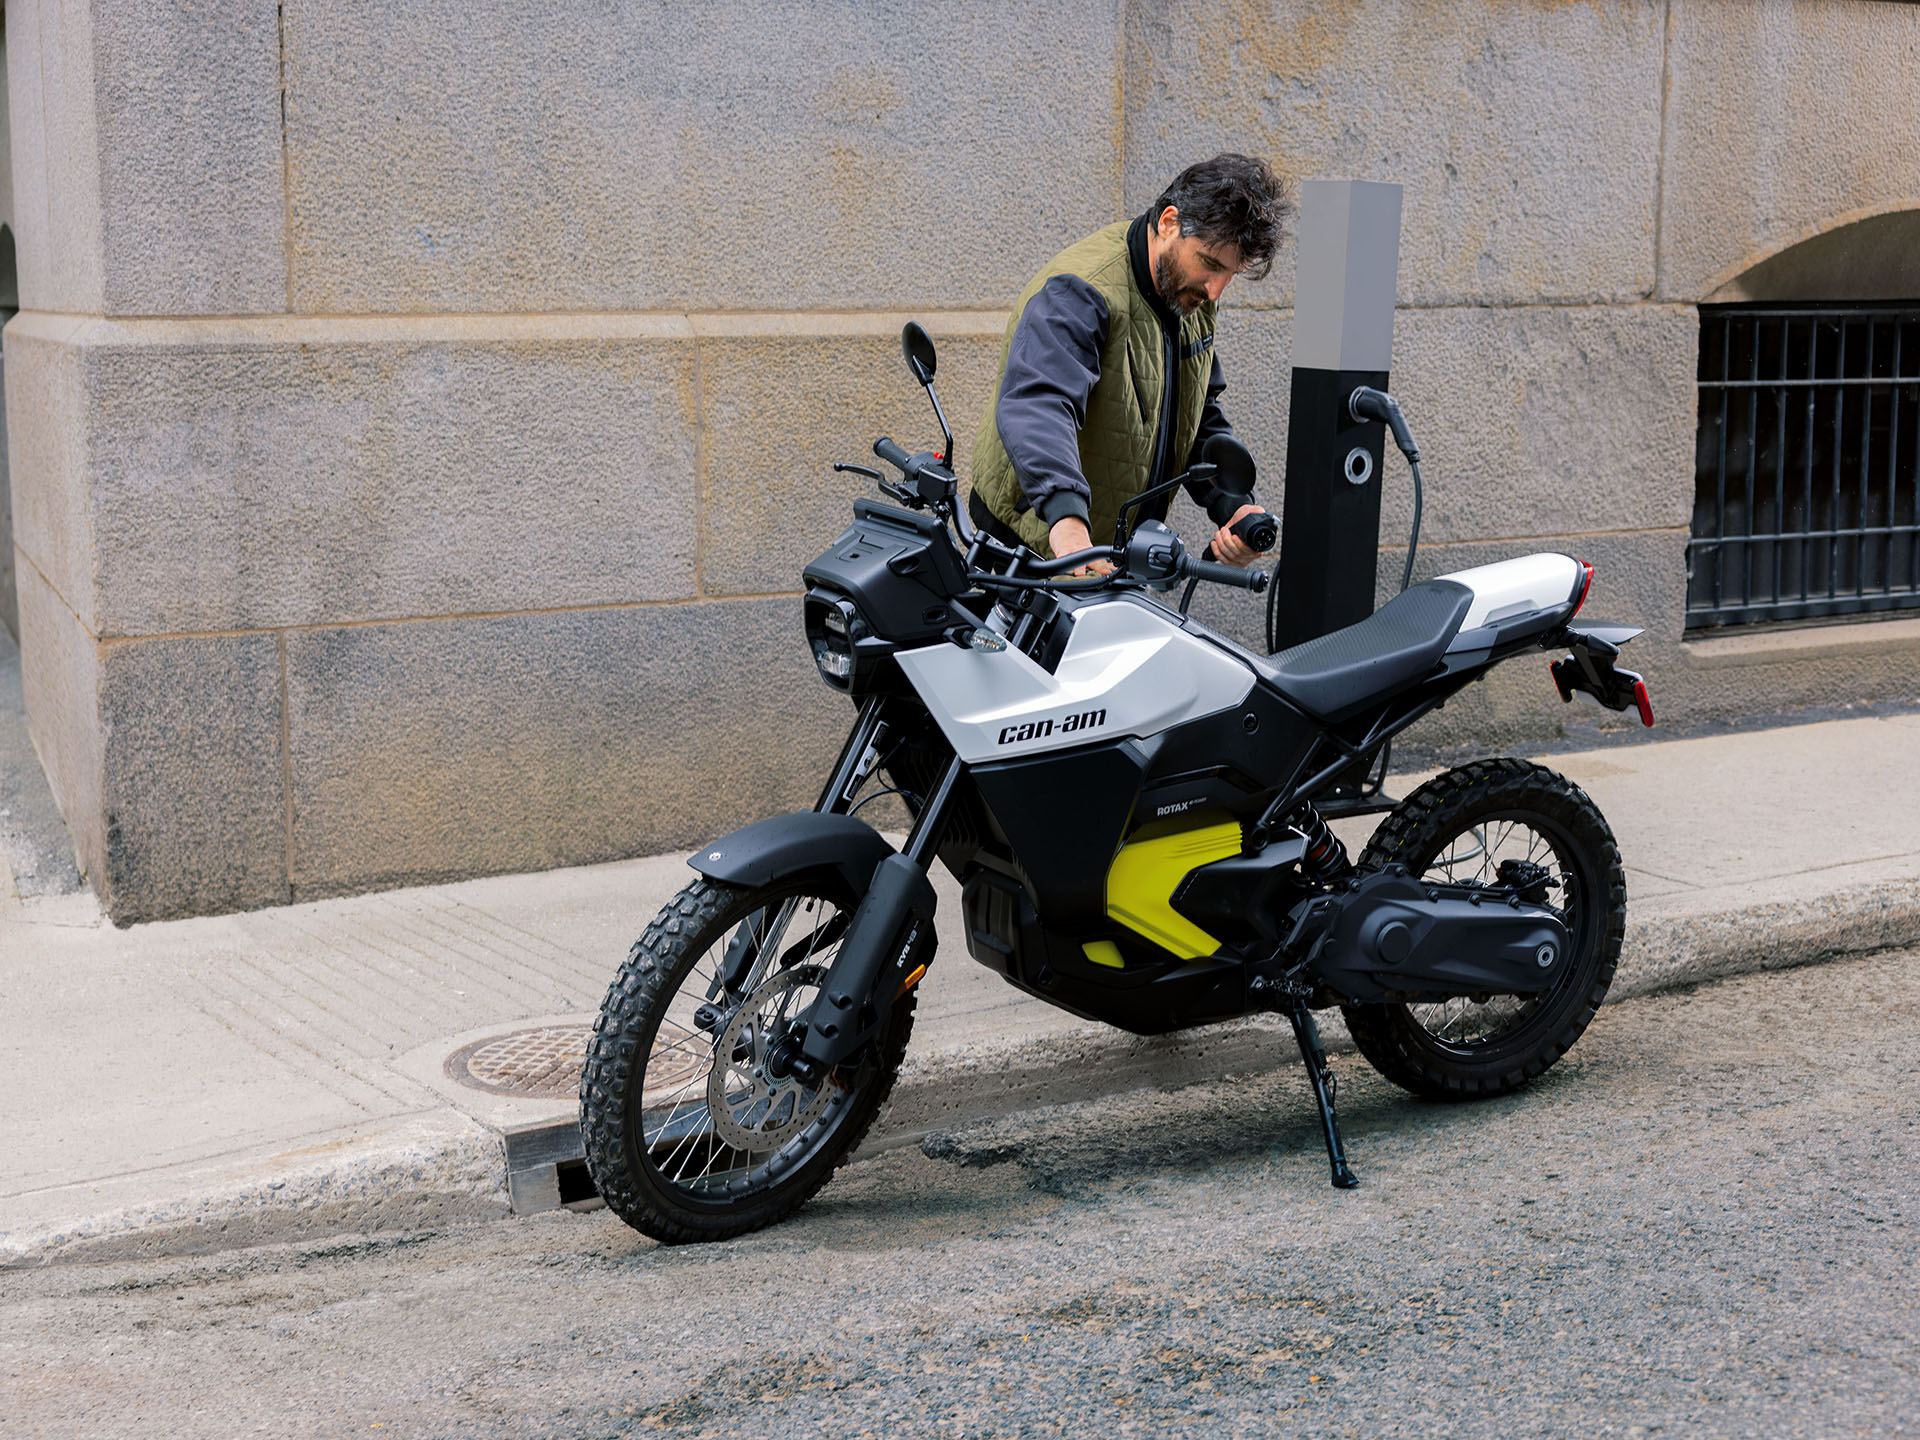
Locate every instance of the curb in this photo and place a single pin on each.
(424, 1170)
(1668, 952)
(441, 1167)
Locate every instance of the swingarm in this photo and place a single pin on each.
(1389, 936)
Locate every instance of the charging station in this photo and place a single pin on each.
(1347, 275)
(1346, 280)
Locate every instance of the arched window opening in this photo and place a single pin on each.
(1807, 466)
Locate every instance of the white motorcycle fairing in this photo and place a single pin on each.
(1126, 671)
(1521, 586)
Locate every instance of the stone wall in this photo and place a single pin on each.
(9, 302)
(420, 413)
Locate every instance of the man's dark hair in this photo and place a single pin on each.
(1231, 200)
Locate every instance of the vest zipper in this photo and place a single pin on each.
(1169, 382)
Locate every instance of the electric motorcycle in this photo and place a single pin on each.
(1129, 802)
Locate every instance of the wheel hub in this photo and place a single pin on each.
(755, 1105)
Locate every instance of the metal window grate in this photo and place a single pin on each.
(1807, 469)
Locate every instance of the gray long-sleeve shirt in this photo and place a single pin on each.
(1053, 364)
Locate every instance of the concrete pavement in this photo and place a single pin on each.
(212, 1082)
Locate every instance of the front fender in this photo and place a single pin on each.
(787, 845)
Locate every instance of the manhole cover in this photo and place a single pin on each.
(545, 1064)
(542, 1063)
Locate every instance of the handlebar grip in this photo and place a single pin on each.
(1255, 580)
(891, 453)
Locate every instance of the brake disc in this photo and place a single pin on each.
(751, 1110)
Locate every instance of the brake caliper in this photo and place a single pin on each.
(1525, 879)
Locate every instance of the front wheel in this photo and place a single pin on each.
(1499, 823)
(693, 1128)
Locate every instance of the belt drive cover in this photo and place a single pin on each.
(1397, 938)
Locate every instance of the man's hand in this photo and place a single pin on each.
(1070, 534)
(1229, 548)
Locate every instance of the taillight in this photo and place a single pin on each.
(1643, 702)
(1586, 584)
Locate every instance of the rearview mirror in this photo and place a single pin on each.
(1233, 462)
(917, 346)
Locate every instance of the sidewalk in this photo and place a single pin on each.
(216, 1082)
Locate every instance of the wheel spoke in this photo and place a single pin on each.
(677, 1103)
(687, 1141)
(735, 1117)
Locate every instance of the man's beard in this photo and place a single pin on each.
(1168, 284)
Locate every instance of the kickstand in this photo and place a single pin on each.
(1307, 1032)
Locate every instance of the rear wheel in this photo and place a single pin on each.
(1512, 824)
(693, 1126)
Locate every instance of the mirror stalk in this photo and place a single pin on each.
(946, 434)
(923, 360)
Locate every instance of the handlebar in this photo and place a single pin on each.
(1034, 569)
(1191, 569)
(1072, 560)
(928, 480)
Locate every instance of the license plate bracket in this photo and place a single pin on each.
(1589, 666)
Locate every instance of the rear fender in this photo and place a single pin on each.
(1601, 635)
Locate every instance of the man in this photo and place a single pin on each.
(1109, 382)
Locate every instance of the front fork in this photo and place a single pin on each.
(857, 759)
(881, 954)
(887, 935)
(892, 928)
(739, 967)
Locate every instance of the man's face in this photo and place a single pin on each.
(1188, 270)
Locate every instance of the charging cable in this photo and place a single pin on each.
(1367, 403)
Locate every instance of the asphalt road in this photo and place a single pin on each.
(1701, 1223)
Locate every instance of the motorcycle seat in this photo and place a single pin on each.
(1339, 674)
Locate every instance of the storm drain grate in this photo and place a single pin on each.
(542, 1064)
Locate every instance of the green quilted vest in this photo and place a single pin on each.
(1123, 412)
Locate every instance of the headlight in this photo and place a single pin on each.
(834, 630)
(833, 652)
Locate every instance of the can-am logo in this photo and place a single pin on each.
(1040, 729)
